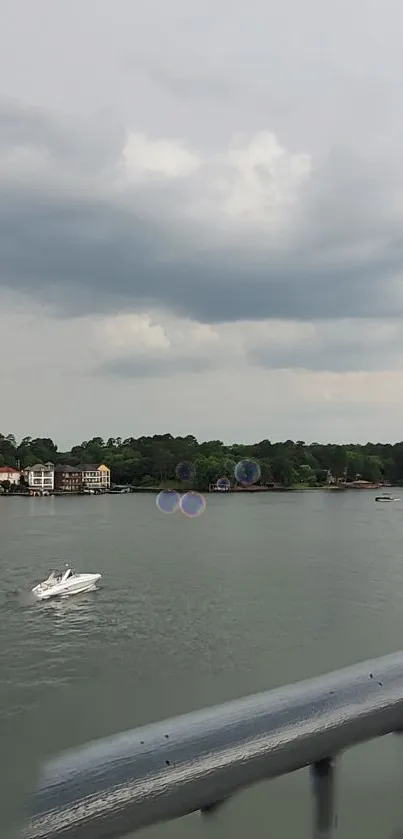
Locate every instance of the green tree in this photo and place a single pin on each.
(372, 469)
(306, 475)
(282, 470)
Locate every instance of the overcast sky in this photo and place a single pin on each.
(201, 209)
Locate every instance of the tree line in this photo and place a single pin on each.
(154, 461)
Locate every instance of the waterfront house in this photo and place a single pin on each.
(105, 476)
(8, 473)
(68, 478)
(94, 477)
(40, 477)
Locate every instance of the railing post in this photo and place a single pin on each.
(323, 783)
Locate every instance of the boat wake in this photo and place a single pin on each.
(16, 597)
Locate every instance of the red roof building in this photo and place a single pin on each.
(8, 473)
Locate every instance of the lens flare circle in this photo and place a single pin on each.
(185, 471)
(223, 484)
(168, 501)
(192, 504)
(247, 472)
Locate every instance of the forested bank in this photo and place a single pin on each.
(147, 461)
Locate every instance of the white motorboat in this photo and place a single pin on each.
(64, 584)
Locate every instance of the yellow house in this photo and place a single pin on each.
(105, 476)
(93, 476)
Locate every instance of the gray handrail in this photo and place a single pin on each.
(166, 770)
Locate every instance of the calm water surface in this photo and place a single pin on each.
(257, 592)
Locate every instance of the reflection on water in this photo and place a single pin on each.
(71, 610)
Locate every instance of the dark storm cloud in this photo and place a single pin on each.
(93, 248)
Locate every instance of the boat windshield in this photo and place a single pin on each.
(59, 576)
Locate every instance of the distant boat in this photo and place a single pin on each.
(385, 497)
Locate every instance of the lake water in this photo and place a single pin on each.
(259, 591)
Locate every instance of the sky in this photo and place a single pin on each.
(201, 211)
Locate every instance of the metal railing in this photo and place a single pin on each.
(195, 762)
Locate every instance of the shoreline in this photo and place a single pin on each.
(256, 490)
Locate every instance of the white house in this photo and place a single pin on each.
(8, 473)
(41, 477)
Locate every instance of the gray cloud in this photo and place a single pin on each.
(69, 144)
(86, 246)
(184, 84)
(192, 79)
(339, 352)
(75, 233)
(154, 367)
